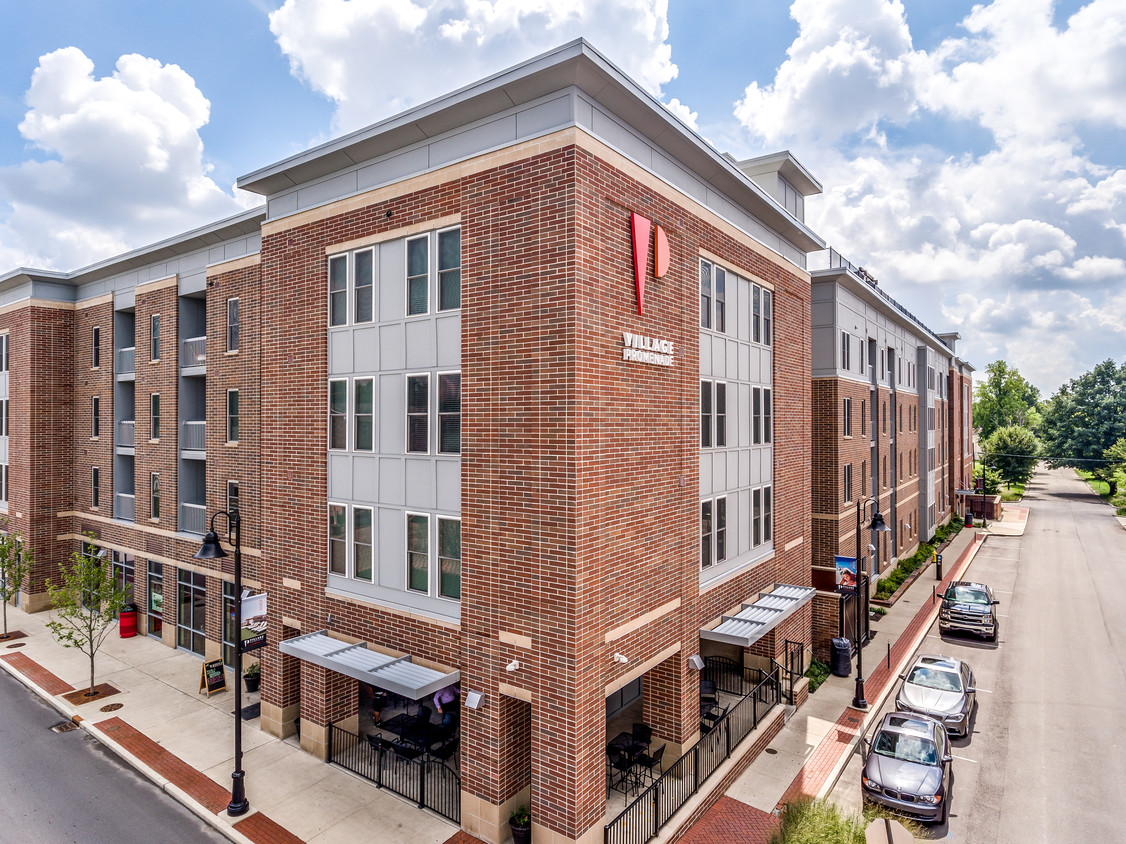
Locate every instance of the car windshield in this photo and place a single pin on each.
(967, 595)
(905, 747)
(932, 678)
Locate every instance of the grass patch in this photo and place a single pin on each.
(817, 673)
(879, 611)
(823, 822)
(1100, 487)
(1118, 501)
(1012, 493)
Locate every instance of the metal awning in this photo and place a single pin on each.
(755, 620)
(394, 674)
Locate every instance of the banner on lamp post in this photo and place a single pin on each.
(252, 634)
(846, 575)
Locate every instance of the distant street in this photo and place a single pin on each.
(1047, 760)
(65, 788)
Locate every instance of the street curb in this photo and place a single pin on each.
(163, 784)
(873, 708)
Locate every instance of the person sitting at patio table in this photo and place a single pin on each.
(447, 700)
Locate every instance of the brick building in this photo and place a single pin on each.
(510, 390)
(891, 432)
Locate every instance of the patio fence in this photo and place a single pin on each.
(643, 818)
(430, 783)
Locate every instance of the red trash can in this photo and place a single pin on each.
(127, 622)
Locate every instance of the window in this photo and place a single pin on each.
(846, 351)
(338, 414)
(883, 417)
(846, 418)
(418, 552)
(884, 471)
(232, 497)
(124, 571)
(720, 300)
(96, 354)
(232, 325)
(449, 418)
(154, 495)
(154, 352)
(899, 416)
(5, 409)
(362, 543)
(418, 414)
(767, 514)
(713, 532)
(449, 270)
(338, 290)
(767, 416)
(863, 349)
(756, 517)
(156, 596)
(95, 486)
(4, 358)
(449, 558)
(756, 313)
(418, 275)
(363, 282)
(154, 416)
(705, 534)
(767, 317)
(96, 417)
(705, 294)
(230, 628)
(363, 404)
(4, 483)
(192, 611)
(707, 414)
(756, 415)
(337, 539)
(847, 483)
(863, 416)
(232, 416)
(863, 477)
(721, 529)
(720, 414)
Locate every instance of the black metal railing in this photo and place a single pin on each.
(642, 819)
(431, 783)
(792, 668)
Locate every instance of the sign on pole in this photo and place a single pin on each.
(846, 575)
(253, 621)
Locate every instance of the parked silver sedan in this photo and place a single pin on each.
(907, 767)
(941, 687)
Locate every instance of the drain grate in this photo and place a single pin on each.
(64, 727)
(16, 645)
(111, 707)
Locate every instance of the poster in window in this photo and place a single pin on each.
(253, 632)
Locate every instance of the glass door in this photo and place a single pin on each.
(156, 598)
(192, 606)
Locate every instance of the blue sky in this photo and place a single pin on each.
(972, 155)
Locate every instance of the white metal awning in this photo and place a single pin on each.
(755, 620)
(394, 674)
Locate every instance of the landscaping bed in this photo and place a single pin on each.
(889, 588)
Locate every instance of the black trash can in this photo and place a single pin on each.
(841, 658)
(969, 519)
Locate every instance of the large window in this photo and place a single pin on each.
(449, 558)
(713, 531)
(156, 597)
(418, 552)
(338, 290)
(418, 275)
(762, 421)
(362, 543)
(706, 297)
(713, 414)
(767, 317)
(846, 351)
(192, 603)
(449, 269)
(338, 414)
(449, 413)
(232, 416)
(720, 300)
(232, 325)
(364, 414)
(5, 411)
(154, 416)
(338, 539)
(707, 414)
(123, 573)
(154, 351)
(363, 285)
(418, 414)
(231, 629)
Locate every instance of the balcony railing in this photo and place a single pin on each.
(193, 436)
(127, 433)
(193, 518)
(193, 352)
(125, 360)
(123, 506)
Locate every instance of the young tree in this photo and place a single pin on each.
(85, 604)
(15, 561)
(1005, 398)
(1013, 452)
(1085, 418)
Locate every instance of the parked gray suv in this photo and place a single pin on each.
(968, 607)
(941, 687)
(907, 767)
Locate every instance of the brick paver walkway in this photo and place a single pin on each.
(261, 829)
(732, 821)
(39, 675)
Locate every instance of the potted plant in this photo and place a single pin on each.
(252, 676)
(521, 823)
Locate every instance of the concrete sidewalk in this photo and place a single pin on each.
(809, 754)
(183, 741)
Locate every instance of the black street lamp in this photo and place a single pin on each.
(212, 550)
(877, 524)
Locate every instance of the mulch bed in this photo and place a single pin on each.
(13, 634)
(102, 690)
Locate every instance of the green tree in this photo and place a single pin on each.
(15, 561)
(85, 603)
(1004, 398)
(1115, 456)
(1085, 418)
(1012, 451)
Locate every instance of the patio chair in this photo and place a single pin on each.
(643, 734)
(648, 762)
(708, 694)
(619, 769)
(446, 750)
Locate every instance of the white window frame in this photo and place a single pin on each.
(439, 415)
(767, 317)
(95, 417)
(96, 347)
(346, 539)
(768, 513)
(719, 300)
(5, 352)
(407, 515)
(846, 351)
(756, 517)
(237, 505)
(354, 544)
(407, 276)
(154, 338)
(438, 519)
(846, 483)
(154, 496)
(354, 416)
(227, 415)
(707, 300)
(346, 413)
(233, 326)
(438, 270)
(707, 414)
(154, 417)
(354, 287)
(408, 413)
(846, 417)
(344, 291)
(756, 313)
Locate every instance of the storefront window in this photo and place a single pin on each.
(192, 605)
(156, 597)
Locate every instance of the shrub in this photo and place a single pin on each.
(820, 821)
(817, 673)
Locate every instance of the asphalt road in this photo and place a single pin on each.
(65, 788)
(1047, 758)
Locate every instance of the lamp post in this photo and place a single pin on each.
(212, 550)
(876, 524)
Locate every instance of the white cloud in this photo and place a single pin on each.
(1024, 210)
(374, 58)
(121, 162)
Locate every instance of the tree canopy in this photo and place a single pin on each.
(1013, 451)
(1003, 399)
(1085, 418)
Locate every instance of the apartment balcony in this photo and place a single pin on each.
(126, 437)
(124, 506)
(193, 353)
(193, 438)
(193, 519)
(125, 363)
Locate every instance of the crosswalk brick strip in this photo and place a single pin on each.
(39, 675)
